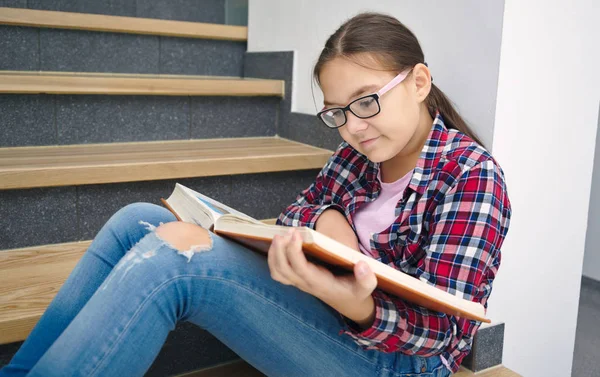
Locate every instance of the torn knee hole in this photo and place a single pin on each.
(183, 235)
(186, 238)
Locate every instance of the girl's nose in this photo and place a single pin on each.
(354, 124)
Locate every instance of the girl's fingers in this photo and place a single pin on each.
(296, 257)
(272, 261)
(280, 267)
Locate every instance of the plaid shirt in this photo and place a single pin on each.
(450, 225)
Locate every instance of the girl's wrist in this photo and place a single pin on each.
(362, 313)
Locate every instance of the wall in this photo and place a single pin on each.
(460, 39)
(544, 136)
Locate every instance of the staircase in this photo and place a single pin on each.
(106, 104)
(103, 110)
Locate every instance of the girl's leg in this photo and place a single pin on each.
(115, 238)
(225, 289)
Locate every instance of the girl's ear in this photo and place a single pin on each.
(422, 80)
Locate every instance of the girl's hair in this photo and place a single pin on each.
(395, 48)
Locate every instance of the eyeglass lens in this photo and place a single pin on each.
(362, 108)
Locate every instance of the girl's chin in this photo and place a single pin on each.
(376, 156)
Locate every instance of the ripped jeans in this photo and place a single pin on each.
(130, 288)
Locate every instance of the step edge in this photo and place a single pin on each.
(93, 22)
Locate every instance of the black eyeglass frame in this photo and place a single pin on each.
(347, 108)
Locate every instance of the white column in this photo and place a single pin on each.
(544, 138)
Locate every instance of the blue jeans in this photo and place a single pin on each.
(130, 288)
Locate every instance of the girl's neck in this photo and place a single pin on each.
(405, 161)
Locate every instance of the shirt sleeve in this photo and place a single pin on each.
(462, 256)
(310, 203)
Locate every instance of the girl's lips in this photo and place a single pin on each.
(368, 142)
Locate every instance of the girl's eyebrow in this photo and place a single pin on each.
(354, 94)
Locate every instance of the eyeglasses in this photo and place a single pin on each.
(364, 107)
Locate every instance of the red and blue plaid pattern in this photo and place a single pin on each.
(451, 223)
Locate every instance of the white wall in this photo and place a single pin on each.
(591, 258)
(544, 138)
(460, 39)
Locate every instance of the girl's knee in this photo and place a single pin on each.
(184, 236)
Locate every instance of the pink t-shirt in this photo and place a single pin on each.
(378, 215)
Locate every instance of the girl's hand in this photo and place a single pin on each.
(288, 265)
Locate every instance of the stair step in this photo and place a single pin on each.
(30, 278)
(46, 166)
(26, 82)
(119, 24)
(242, 368)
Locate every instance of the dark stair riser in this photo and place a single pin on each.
(41, 49)
(29, 119)
(50, 215)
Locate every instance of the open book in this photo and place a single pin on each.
(191, 206)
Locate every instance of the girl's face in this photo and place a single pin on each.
(386, 134)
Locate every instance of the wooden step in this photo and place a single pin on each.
(30, 278)
(64, 165)
(27, 82)
(118, 24)
(241, 368)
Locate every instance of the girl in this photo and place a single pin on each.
(410, 186)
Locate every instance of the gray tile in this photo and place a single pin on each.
(275, 191)
(189, 348)
(307, 129)
(236, 12)
(592, 284)
(19, 46)
(270, 65)
(304, 128)
(112, 197)
(487, 348)
(84, 51)
(216, 117)
(109, 7)
(13, 3)
(192, 56)
(587, 337)
(7, 351)
(211, 11)
(98, 119)
(37, 216)
(117, 195)
(26, 119)
(271, 193)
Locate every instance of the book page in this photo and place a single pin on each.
(230, 217)
(189, 209)
(217, 208)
